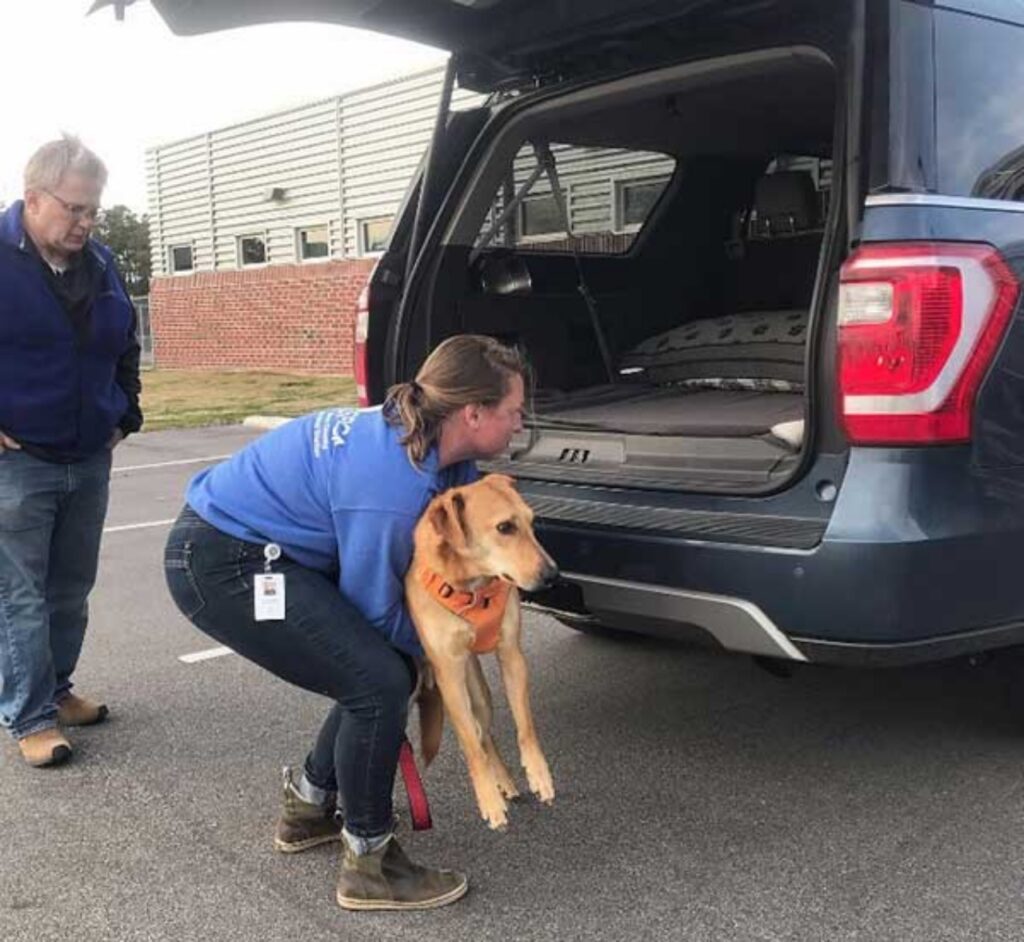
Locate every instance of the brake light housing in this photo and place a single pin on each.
(919, 326)
(360, 356)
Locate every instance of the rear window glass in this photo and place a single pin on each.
(607, 195)
(980, 119)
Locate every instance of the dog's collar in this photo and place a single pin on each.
(484, 609)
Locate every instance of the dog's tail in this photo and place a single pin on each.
(431, 717)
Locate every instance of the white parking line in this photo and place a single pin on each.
(168, 464)
(204, 655)
(139, 526)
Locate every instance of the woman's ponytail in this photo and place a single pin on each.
(468, 369)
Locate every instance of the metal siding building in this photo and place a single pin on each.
(340, 162)
(337, 162)
(260, 230)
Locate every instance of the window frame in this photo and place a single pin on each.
(172, 268)
(239, 259)
(316, 259)
(619, 186)
(558, 235)
(364, 221)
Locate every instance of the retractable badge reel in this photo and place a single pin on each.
(268, 588)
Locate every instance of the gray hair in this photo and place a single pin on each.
(49, 165)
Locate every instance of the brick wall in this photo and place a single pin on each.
(282, 317)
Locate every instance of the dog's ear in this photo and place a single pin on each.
(448, 518)
(502, 480)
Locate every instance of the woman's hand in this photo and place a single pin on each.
(6, 442)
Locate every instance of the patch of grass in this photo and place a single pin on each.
(186, 398)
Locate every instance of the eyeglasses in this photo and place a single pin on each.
(77, 210)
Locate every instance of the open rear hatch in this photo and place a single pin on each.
(498, 43)
(608, 415)
(653, 243)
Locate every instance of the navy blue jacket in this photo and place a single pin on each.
(60, 392)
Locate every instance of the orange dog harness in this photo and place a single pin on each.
(483, 609)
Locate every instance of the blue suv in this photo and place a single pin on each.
(766, 260)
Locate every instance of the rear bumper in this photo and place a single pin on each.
(919, 560)
(735, 624)
(741, 627)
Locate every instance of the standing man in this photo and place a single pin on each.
(69, 392)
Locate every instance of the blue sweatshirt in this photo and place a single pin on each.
(337, 491)
(63, 391)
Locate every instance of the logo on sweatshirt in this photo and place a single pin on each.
(331, 428)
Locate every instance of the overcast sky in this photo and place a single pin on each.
(123, 87)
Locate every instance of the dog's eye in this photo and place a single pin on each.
(506, 528)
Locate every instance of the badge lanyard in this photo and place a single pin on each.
(268, 588)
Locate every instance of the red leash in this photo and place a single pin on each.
(419, 807)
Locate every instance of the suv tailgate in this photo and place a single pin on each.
(498, 41)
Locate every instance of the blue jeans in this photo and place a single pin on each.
(51, 521)
(324, 645)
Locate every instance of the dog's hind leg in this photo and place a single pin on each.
(483, 711)
(431, 710)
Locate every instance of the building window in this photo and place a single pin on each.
(180, 257)
(634, 201)
(607, 193)
(373, 235)
(313, 242)
(540, 217)
(252, 250)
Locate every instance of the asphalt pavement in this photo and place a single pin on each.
(698, 797)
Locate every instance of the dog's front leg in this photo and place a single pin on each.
(515, 677)
(480, 700)
(452, 679)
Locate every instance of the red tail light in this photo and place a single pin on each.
(919, 325)
(360, 362)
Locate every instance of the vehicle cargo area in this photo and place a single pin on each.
(653, 244)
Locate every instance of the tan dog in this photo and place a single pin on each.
(473, 546)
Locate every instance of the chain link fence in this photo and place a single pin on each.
(145, 331)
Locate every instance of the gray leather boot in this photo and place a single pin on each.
(302, 824)
(387, 879)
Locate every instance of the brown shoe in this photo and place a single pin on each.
(303, 824)
(387, 879)
(74, 710)
(46, 747)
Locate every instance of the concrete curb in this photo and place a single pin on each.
(266, 422)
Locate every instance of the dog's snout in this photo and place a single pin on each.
(543, 577)
(548, 574)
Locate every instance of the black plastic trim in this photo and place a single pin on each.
(745, 529)
(846, 654)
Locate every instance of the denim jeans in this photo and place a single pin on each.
(51, 521)
(323, 644)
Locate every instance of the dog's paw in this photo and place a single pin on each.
(496, 818)
(508, 791)
(545, 791)
(493, 807)
(539, 777)
(503, 781)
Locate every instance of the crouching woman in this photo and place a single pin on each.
(293, 553)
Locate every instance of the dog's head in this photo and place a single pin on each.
(486, 529)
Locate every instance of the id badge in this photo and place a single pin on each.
(268, 588)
